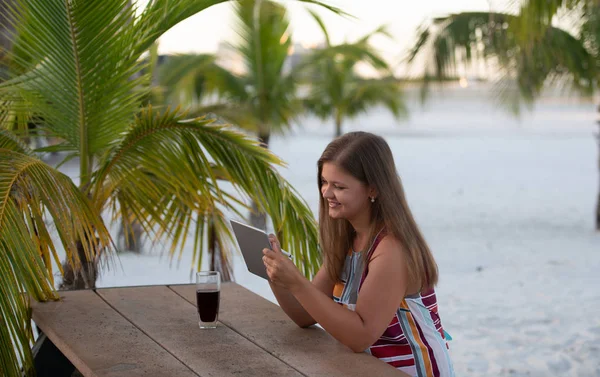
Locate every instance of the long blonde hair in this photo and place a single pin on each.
(368, 158)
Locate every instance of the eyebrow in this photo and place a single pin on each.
(334, 182)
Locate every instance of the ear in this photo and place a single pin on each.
(373, 192)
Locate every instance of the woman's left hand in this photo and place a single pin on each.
(280, 269)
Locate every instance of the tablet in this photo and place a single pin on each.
(252, 241)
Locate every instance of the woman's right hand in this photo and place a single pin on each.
(280, 269)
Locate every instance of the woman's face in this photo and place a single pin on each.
(347, 197)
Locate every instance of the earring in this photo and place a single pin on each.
(372, 199)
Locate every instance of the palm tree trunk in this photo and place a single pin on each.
(85, 278)
(130, 239)
(258, 219)
(598, 200)
(338, 123)
(217, 262)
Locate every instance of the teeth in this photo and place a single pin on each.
(333, 204)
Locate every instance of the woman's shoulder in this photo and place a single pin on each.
(387, 239)
(388, 244)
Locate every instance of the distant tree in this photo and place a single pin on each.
(337, 90)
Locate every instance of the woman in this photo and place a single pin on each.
(374, 291)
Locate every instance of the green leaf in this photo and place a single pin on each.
(10, 141)
(336, 88)
(526, 61)
(166, 175)
(31, 193)
(161, 15)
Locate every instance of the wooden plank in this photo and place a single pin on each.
(173, 322)
(101, 342)
(311, 351)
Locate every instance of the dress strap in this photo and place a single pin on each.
(382, 233)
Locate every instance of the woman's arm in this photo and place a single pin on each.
(288, 302)
(292, 307)
(379, 298)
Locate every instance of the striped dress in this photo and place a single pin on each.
(415, 341)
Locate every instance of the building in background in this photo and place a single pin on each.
(229, 57)
(297, 53)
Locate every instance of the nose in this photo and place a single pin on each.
(326, 192)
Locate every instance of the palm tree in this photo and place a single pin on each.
(336, 90)
(263, 99)
(5, 29)
(526, 50)
(158, 168)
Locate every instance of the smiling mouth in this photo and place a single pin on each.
(333, 204)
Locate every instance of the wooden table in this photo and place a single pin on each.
(153, 331)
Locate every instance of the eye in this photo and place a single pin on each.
(338, 187)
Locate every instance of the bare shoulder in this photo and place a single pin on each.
(388, 264)
(389, 249)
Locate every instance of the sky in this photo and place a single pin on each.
(204, 31)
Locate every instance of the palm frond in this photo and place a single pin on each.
(241, 114)
(451, 41)
(15, 311)
(381, 30)
(63, 76)
(322, 26)
(559, 58)
(590, 34)
(294, 223)
(161, 15)
(338, 91)
(423, 37)
(538, 15)
(453, 44)
(364, 94)
(263, 27)
(164, 175)
(30, 191)
(350, 53)
(184, 77)
(10, 141)
(330, 8)
(191, 80)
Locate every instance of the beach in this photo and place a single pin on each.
(507, 207)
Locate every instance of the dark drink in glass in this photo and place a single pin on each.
(208, 305)
(208, 289)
